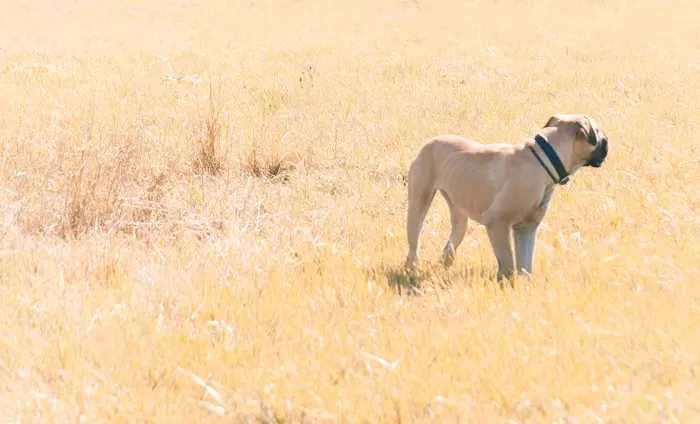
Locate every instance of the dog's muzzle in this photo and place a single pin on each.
(599, 154)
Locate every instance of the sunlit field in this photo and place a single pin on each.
(202, 213)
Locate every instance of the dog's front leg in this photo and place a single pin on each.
(499, 236)
(526, 234)
(524, 238)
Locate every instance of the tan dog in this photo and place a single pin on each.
(501, 186)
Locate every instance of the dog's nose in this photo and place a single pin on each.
(604, 148)
(599, 154)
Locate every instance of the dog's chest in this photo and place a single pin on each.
(546, 197)
(538, 211)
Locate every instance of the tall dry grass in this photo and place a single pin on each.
(203, 212)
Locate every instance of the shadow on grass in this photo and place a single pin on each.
(406, 281)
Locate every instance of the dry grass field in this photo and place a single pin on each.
(202, 210)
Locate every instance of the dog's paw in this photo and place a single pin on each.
(447, 260)
(448, 256)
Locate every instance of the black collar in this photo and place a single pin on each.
(553, 159)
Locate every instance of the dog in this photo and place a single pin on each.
(504, 187)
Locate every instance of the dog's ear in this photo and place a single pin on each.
(552, 120)
(586, 129)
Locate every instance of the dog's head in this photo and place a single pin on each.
(590, 143)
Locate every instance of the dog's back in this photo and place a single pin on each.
(448, 158)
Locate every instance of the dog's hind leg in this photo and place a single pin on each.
(420, 197)
(459, 222)
(418, 207)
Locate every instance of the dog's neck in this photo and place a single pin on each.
(563, 146)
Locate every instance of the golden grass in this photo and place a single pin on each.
(202, 209)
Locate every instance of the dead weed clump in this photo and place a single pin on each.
(208, 155)
(93, 194)
(269, 161)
